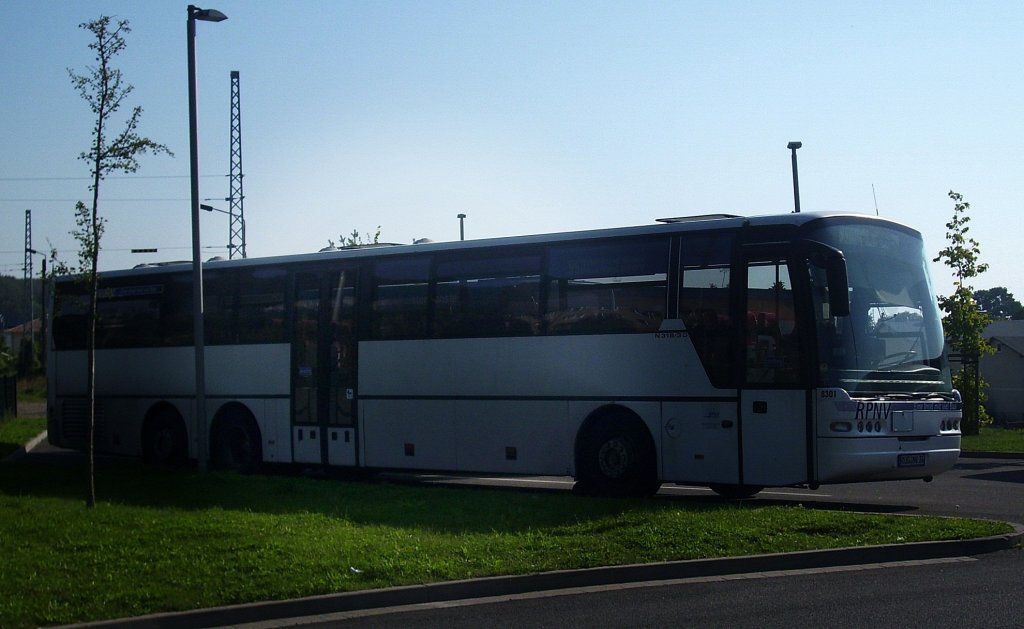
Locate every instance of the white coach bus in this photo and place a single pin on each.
(737, 353)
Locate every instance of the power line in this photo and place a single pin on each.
(109, 177)
(76, 200)
(122, 250)
(153, 200)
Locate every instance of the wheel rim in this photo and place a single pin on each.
(240, 445)
(163, 444)
(614, 458)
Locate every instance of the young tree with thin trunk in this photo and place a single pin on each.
(104, 89)
(964, 322)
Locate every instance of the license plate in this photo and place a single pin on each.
(911, 460)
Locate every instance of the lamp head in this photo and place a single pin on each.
(794, 145)
(205, 15)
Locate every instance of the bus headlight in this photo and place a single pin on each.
(841, 426)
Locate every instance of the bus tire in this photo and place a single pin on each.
(235, 442)
(164, 438)
(735, 492)
(615, 456)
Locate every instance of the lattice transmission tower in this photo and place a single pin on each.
(236, 231)
(28, 262)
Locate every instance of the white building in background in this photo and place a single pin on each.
(1004, 371)
(12, 336)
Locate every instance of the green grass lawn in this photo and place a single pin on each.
(994, 439)
(161, 541)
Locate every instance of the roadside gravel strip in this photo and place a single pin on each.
(864, 557)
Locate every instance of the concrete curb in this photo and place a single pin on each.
(23, 450)
(991, 455)
(563, 579)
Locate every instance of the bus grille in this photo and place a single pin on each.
(75, 423)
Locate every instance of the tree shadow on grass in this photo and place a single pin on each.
(357, 498)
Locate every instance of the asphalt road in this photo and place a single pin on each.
(988, 488)
(962, 592)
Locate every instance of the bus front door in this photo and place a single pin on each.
(323, 369)
(773, 406)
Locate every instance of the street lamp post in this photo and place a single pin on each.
(204, 15)
(462, 227)
(793, 146)
(231, 216)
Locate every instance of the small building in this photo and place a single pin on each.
(1004, 372)
(13, 336)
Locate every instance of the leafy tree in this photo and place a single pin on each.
(964, 321)
(999, 303)
(105, 91)
(355, 239)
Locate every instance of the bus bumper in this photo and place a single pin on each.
(884, 458)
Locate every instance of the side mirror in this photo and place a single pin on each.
(834, 262)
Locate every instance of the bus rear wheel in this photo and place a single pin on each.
(615, 457)
(236, 444)
(164, 439)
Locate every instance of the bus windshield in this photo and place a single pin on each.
(892, 341)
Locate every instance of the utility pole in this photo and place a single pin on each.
(198, 335)
(235, 196)
(28, 270)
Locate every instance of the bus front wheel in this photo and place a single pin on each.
(235, 443)
(615, 457)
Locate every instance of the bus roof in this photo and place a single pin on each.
(705, 222)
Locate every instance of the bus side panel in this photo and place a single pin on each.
(622, 366)
(130, 382)
(700, 442)
(257, 376)
(409, 434)
(166, 372)
(245, 370)
(512, 404)
(513, 436)
(68, 374)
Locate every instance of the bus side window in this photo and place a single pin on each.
(608, 287)
(261, 299)
(704, 303)
(704, 309)
(219, 312)
(71, 316)
(176, 320)
(128, 313)
(771, 347)
(488, 296)
(401, 294)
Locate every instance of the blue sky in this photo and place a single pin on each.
(527, 116)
